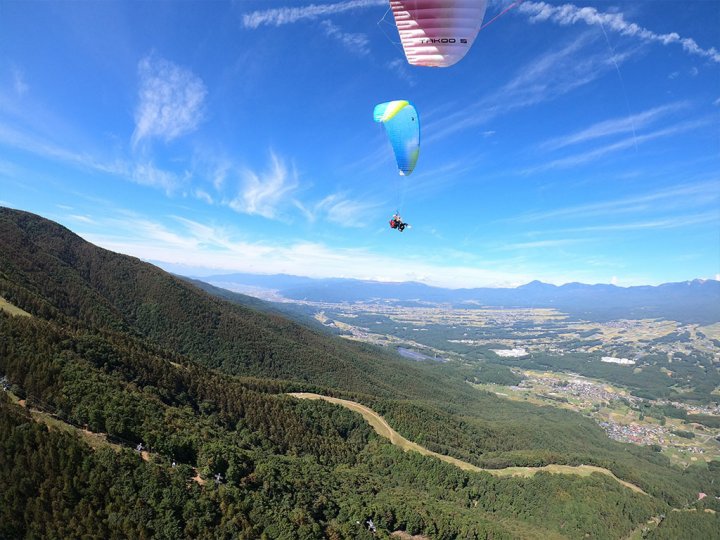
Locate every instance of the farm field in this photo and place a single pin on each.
(442, 328)
(624, 417)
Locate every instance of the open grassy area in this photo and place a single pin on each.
(580, 470)
(383, 429)
(712, 331)
(11, 309)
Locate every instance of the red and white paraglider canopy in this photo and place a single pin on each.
(437, 33)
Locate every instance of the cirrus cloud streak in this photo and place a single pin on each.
(568, 14)
(289, 15)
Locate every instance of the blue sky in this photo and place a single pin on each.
(574, 142)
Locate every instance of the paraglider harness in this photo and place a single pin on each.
(397, 223)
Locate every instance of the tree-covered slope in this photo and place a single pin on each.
(290, 468)
(55, 274)
(117, 346)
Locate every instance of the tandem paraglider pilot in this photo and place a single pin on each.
(397, 223)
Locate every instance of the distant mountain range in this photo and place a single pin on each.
(696, 301)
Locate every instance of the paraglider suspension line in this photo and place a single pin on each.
(403, 190)
(503, 12)
(382, 28)
(622, 83)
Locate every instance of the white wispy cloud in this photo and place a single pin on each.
(214, 237)
(340, 209)
(29, 142)
(627, 124)
(541, 244)
(82, 219)
(220, 173)
(630, 142)
(147, 174)
(683, 196)
(154, 233)
(170, 100)
(263, 193)
(221, 249)
(288, 15)
(354, 42)
(672, 222)
(203, 196)
(568, 14)
(276, 192)
(143, 173)
(19, 85)
(399, 68)
(544, 78)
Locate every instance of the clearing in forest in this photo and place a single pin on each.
(383, 429)
(12, 309)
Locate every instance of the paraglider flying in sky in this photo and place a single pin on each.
(434, 33)
(437, 33)
(397, 223)
(402, 126)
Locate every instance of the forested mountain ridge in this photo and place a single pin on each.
(56, 274)
(121, 347)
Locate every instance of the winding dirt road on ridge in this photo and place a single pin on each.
(383, 429)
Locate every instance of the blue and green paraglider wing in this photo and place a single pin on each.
(402, 125)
